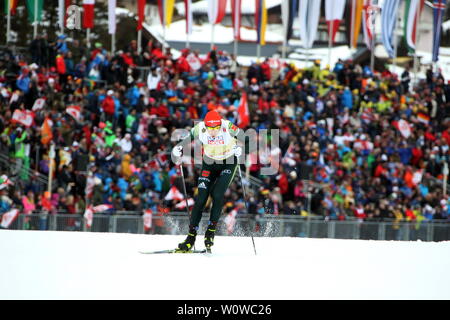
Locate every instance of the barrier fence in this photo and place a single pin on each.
(258, 226)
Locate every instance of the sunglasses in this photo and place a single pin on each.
(213, 128)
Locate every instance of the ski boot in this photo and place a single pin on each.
(188, 244)
(209, 237)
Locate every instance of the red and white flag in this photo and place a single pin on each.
(174, 194)
(88, 17)
(230, 221)
(216, 10)
(75, 112)
(243, 113)
(182, 204)
(368, 18)
(25, 117)
(4, 182)
(9, 217)
(404, 127)
(417, 176)
(236, 10)
(194, 61)
(112, 16)
(90, 210)
(188, 12)
(140, 13)
(334, 11)
(147, 217)
(38, 104)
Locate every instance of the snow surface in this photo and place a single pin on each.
(84, 265)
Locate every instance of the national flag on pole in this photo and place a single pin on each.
(216, 10)
(147, 217)
(75, 112)
(140, 13)
(12, 6)
(404, 127)
(354, 21)
(438, 14)
(46, 131)
(32, 15)
(62, 12)
(165, 9)
(368, 13)
(194, 61)
(188, 13)
(334, 11)
(411, 20)
(288, 11)
(261, 21)
(388, 25)
(243, 112)
(88, 16)
(236, 9)
(309, 14)
(38, 104)
(174, 194)
(112, 16)
(182, 204)
(25, 117)
(9, 217)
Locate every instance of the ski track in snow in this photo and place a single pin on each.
(84, 265)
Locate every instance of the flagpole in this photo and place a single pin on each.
(258, 51)
(139, 35)
(212, 35)
(187, 40)
(352, 24)
(235, 49)
(35, 19)
(416, 60)
(88, 35)
(395, 41)
(372, 52)
(329, 44)
(113, 43)
(8, 23)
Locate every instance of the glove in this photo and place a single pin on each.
(237, 151)
(177, 151)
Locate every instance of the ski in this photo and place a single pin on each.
(175, 251)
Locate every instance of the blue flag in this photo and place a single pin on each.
(388, 24)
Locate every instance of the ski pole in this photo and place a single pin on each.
(245, 202)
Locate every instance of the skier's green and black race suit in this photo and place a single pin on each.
(219, 167)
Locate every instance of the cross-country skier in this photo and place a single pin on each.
(219, 140)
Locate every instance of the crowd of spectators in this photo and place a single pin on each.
(341, 151)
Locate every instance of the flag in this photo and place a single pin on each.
(147, 217)
(411, 21)
(182, 204)
(140, 13)
(112, 16)
(334, 11)
(46, 131)
(309, 13)
(422, 117)
(230, 221)
(367, 21)
(32, 15)
(174, 194)
(288, 11)
(90, 210)
(38, 104)
(438, 14)
(194, 61)
(216, 10)
(388, 25)
(404, 127)
(165, 9)
(4, 182)
(354, 21)
(243, 112)
(236, 9)
(75, 112)
(188, 11)
(12, 6)
(62, 12)
(9, 217)
(88, 16)
(261, 21)
(25, 117)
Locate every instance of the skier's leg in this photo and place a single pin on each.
(217, 193)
